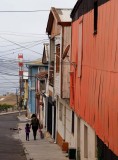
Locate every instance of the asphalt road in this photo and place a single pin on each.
(10, 148)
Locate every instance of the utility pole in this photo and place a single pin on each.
(20, 58)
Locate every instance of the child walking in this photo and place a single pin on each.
(27, 130)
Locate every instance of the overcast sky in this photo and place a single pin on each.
(23, 29)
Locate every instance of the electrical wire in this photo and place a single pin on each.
(8, 64)
(8, 84)
(30, 11)
(9, 74)
(9, 80)
(18, 35)
(29, 46)
(5, 59)
(19, 45)
(8, 87)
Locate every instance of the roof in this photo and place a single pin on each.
(42, 75)
(82, 7)
(62, 15)
(37, 62)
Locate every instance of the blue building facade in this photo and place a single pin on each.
(34, 68)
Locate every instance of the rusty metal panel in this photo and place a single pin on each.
(93, 96)
(80, 48)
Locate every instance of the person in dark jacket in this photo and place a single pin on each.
(35, 125)
(27, 131)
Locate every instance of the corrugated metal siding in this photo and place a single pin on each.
(94, 95)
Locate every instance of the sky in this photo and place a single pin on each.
(22, 33)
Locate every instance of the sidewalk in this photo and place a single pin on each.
(40, 149)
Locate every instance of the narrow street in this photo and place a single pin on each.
(59, 80)
(10, 148)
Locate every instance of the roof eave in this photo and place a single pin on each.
(52, 15)
(75, 8)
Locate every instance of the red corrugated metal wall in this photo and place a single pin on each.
(94, 96)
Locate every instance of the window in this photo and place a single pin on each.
(42, 85)
(85, 141)
(72, 122)
(95, 16)
(57, 58)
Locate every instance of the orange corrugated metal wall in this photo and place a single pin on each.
(94, 96)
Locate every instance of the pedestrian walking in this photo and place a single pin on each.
(35, 125)
(27, 131)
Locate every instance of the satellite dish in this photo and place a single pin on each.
(65, 51)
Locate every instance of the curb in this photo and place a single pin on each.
(11, 112)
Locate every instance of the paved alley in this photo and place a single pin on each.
(41, 149)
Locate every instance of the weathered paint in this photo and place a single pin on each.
(94, 94)
(65, 80)
(55, 29)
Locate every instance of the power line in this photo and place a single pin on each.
(33, 11)
(21, 35)
(7, 82)
(9, 87)
(9, 60)
(19, 45)
(8, 74)
(7, 54)
(9, 67)
(28, 45)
